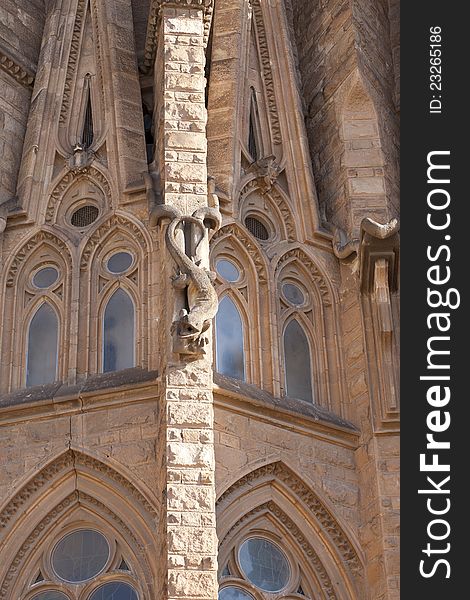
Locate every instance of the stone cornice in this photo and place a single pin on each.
(154, 12)
(22, 75)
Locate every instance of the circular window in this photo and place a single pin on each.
(293, 294)
(46, 277)
(50, 595)
(119, 262)
(115, 590)
(264, 564)
(84, 216)
(257, 228)
(227, 270)
(231, 592)
(80, 555)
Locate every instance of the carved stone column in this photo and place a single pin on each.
(181, 211)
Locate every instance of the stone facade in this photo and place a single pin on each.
(188, 137)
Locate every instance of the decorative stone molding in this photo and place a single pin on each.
(327, 521)
(273, 193)
(266, 171)
(22, 75)
(29, 246)
(308, 550)
(75, 497)
(99, 235)
(73, 58)
(22, 553)
(307, 262)
(65, 461)
(267, 71)
(250, 246)
(154, 13)
(379, 242)
(68, 179)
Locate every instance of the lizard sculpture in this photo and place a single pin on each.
(192, 279)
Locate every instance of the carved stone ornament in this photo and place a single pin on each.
(267, 171)
(80, 159)
(193, 281)
(22, 75)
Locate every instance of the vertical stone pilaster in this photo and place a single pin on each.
(181, 157)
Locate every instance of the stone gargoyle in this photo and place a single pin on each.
(193, 280)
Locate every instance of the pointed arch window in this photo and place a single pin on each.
(230, 354)
(42, 346)
(119, 332)
(253, 128)
(298, 363)
(87, 131)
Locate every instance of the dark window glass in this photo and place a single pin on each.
(227, 270)
(118, 332)
(119, 262)
(46, 277)
(264, 564)
(231, 592)
(229, 340)
(43, 335)
(80, 555)
(297, 363)
(293, 294)
(50, 595)
(115, 590)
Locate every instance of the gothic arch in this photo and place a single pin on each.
(252, 291)
(71, 178)
(21, 296)
(74, 481)
(277, 205)
(276, 492)
(250, 246)
(26, 248)
(123, 222)
(319, 318)
(119, 233)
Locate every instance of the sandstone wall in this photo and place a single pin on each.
(14, 108)
(21, 26)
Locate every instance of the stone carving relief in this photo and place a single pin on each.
(187, 238)
(308, 550)
(73, 58)
(19, 73)
(255, 253)
(100, 234)
(72, 499)
(266, 171)
(29, 246)
(267, 71)
(307, 262)
(67, 180)
(274, 195)
(328, 523)
(64, 462)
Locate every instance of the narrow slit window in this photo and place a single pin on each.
(252, 128)
(119, 333)
(230, 356)
(87, 133)
(297, 362)
(43, 335)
